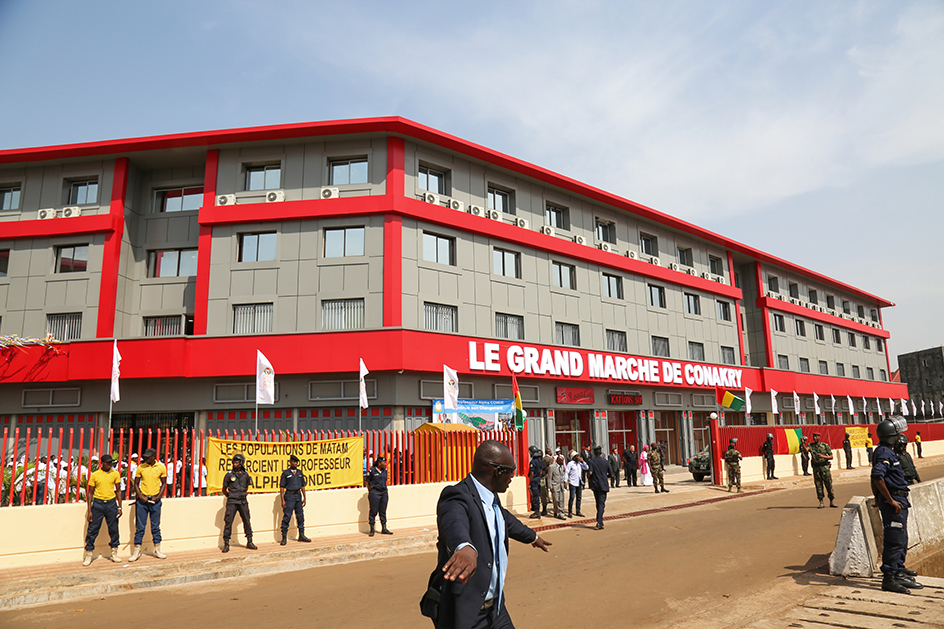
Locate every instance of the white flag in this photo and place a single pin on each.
(363, 385)
(450, 390)
(265, 380)
(891, 406)
(796, 405)
(816, 404)
(865, 408)
(878, 405)
(914, 409)
(773, 402)
(747, 401)
(852, 410)
(833, 398)
(115, 372)
(904, 408)
(922, 408)
(940, 409)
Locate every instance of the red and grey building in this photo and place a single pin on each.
(381, 239)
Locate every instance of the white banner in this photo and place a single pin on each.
(747, 401)
(115, 372)
(816, 404)
(363, 385)
(450, 389)
(265, 380)
(773, 402)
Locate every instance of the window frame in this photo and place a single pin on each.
(433, 311)
(783, 362)
(852, 339)
(773, 283)
(89, 183)
(12, 192)
(241, 246)
(724, 310)
(725, 351)
(616, 341)
(715, 265)
(60, 269)
(780, 324)
(556, 216)
(612, 284)
(437, 241)
(692, 304)
(694, 347)
(649, 244)
(507, 318)
(335, 162)
(819, 332)
(804, 362)
(345, 230)
(265, 169)
(494, 192)
(794, 290)
(812, 296)
(4, 263)
(561, 329)
(257, 317)
(800, 327)
(668, 346)
(161, 197)
(423, 173)
(154, 262)
(504, 254)
(654, 290)
(841, 370)
(823, 368)
(353, 315)
(557, 273)
(685, 255)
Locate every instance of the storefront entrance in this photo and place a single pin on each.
(572, 429)
(666, 425)
(622, 429)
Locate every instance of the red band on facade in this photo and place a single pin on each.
(111, 252)
(205, 243)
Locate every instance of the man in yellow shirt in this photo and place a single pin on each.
(103, 498)
(150, 480)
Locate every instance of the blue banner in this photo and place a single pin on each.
(481, 414)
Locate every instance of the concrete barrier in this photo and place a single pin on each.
(44, 534)
(858, 550)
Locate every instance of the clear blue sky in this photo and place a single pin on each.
(812, 130)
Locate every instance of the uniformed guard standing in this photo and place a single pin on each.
(236, 484)
(292, 493)
(768, 451)
(377, 495)
(805, 456)
(847, 448)
(907, 463)
(822, 457)
(535, 473)
(891, 497)
(655, 466)
(733, 460)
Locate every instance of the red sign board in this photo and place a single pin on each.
(574, 395)
(625, 398)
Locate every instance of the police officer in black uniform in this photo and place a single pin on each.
(236, 484)
(891, 496)
(535, 472)
(768, 451)
(292, 493)
(377, 495)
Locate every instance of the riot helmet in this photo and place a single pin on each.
(239, 457)
(770, 435)
(889, 429)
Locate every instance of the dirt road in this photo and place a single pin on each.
(646, 572)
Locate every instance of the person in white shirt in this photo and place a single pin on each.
(573, 472)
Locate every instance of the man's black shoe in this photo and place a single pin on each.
(657, 490)
(225, 547)
(283, 541)
(910, 573)
(665, 490)
(302, 538)
(890, 583)
(386, 531)
(908, 581)
(535, 515)
(251, 546)
(580, 515)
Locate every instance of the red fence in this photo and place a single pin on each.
(53, 466)
(751, 438)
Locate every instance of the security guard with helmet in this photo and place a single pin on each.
(236, 484)
(292, 494)
(535, 474)
(891, 496)
(732, 459)
(768, 451)
(377, 495)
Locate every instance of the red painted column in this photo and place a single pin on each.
(737, 312)
(765, 315)
(888, 362)
(393, 237)
(205, 243)
(111, 254)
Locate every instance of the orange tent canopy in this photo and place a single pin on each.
(441, 427)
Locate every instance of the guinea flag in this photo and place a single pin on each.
(788, 440)
(729, 400)
(519, 410)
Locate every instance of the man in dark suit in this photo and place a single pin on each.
(597, 475)
(630, 464)
(466, 588)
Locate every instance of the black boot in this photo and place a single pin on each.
(371, 534)
(910, 573)
(386, 531)
(664, 490)
(225, 546)
(890, 583)
(302, 538)
(250, 545)
(284, 540)
(908, 581)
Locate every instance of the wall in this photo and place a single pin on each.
(55, 533)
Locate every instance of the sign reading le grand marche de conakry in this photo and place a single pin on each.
(326, 464)
(580, 364)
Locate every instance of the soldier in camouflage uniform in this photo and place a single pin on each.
(733, 460)
(655, 466)
(821, 455)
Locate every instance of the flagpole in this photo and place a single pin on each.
(257, 416)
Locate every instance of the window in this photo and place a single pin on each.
(342, 314)
(257, 247)
(64, 327)
(830, 302)
(846, 308)
(555, 216)
(648, 244)
(879, 345)
(724, 311)
(773, 284)
(685, 257)
(660, 346)
(567, 334)
(162, 326)
(824, 367)
(805, 365)
(432, 180)
(612, 286)
(172, 263)
(345, 241)
(616, 341)
(656, 296)
(347, 171)
(860, 311)
(836, 336)
(179, 199)
(252, 319)
(441, 318)
(779, 324)
(869, 373)
(873, 314)
(819, 331)
(692, 304)
(564, 275)
(794, 290)
(500, 200)
(801, 327)
(855, 371)
(52, 397)
(439, 249)
(813, 296)
(509, 326)
(865, 342)
(852, 341)
(783, 362)
(83, 192)
(72, 259)
(507, 263)
(268, 177)
(10, 197)
(883, 376)
(840, 369)
(696, 351)
(727, 355)
(605, 231)
(715, 265)
(4, 262)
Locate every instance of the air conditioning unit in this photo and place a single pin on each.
(495, 215)
(521, 222)
(476, 209)
(580, 240)
(795, 302)
(275, 196)
(457, 205)
(69, 212)
(631, 254)
(47, 213)
(547, 230)
(330, 193)
(692, 272)
(674, 266)
(654, 260)
(604, 246)
(707, 276)
(429, 197)
(226, 199)
(719, 279)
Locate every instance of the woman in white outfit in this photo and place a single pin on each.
(645, 474)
